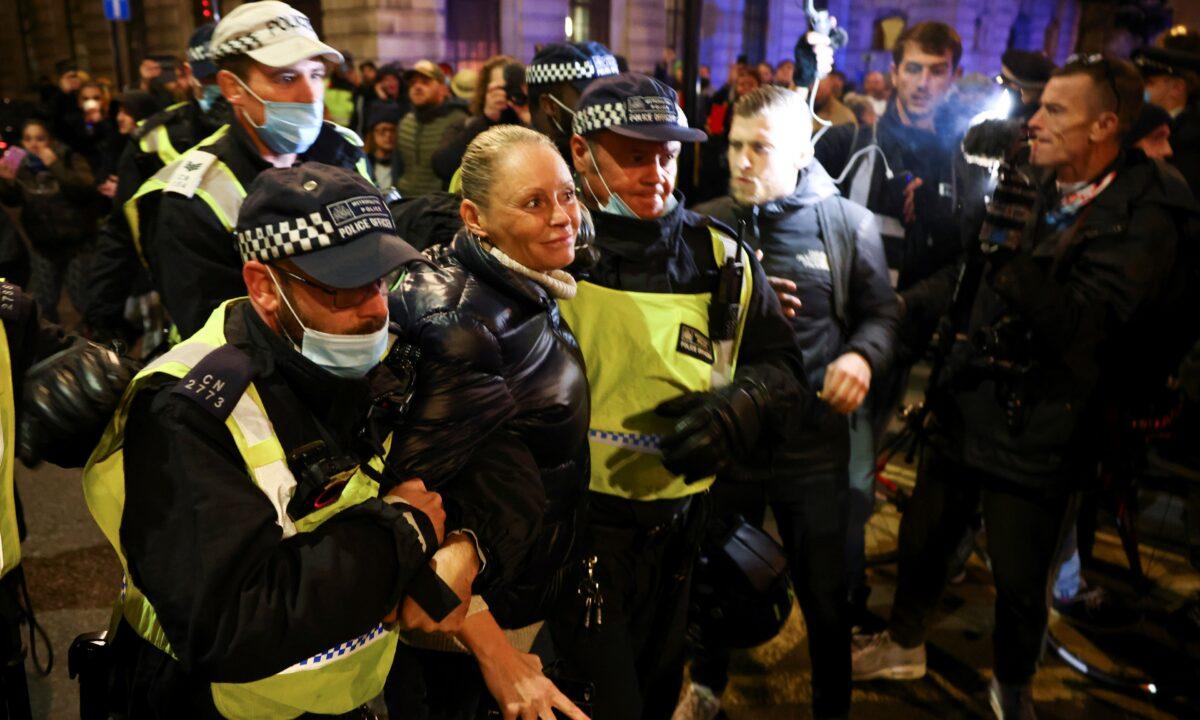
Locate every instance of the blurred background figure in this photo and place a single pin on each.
(54, 187)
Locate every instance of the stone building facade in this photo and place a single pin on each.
(37, 34)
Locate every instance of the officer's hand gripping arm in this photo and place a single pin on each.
(713, 428)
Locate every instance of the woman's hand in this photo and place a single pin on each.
(513, 678)
(495, 102)
(46, 154)
(7, 172)
(522, 691)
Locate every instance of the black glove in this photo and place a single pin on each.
(804, 72)
(69, 398)
(713, 429)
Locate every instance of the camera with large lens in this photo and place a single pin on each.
(1003, 353)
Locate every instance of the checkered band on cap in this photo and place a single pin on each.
(550, 73)
(199, 53)
(235, 46)
(285, 239)
(598, 117)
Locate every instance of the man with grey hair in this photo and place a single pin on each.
(826, 259)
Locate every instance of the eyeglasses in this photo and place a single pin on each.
(342, 298)
(1093, 59)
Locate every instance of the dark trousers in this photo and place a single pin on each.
(812, 517)
(14, 692)
(1025, 528)
(635, 657)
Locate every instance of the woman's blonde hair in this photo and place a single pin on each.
(484, 153)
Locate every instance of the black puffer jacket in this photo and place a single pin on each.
(499, 418)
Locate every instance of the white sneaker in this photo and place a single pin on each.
(698, 702)
(879, 657)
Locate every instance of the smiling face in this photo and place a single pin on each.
(922, 80)
(639, 172)
(531, 212)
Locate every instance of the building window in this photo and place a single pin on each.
(675, 23)
(887, 28)
(472, 31)
(589, 20)
(754, 30)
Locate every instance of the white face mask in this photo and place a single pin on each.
(349, 356)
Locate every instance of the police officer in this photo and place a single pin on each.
(272, 73)
(556, 77)
(158, 140)
(56, 393)
(1172, 77)
(240, 479)
(692, 367)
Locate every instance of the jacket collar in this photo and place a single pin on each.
(640, 240)
(468, 251)
(814, 186)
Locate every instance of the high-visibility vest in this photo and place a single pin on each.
(641, 349)
(10, 540)
(200, 173)
(157, 141)
(331, 682)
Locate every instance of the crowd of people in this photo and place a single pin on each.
(458, 384)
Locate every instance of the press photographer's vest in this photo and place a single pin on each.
(331, 682)
(10, 540)
(202, 174)
(641, 349)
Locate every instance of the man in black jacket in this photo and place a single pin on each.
(1079, 251)
(902, 170)
(828, 253)
(272, 73)
(691, 367)
(157, 141)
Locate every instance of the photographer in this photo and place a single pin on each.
(501, 99)
(1077, 251)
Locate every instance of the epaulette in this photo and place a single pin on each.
(13, 302)
(218, 381)
(162, 117)
(349, 135)
(189, 172)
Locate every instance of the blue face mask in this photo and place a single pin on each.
(348, 356)
(287, 127)
(208, 96)
(615, 205)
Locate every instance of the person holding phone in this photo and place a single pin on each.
(55, 189)
(501, 98)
